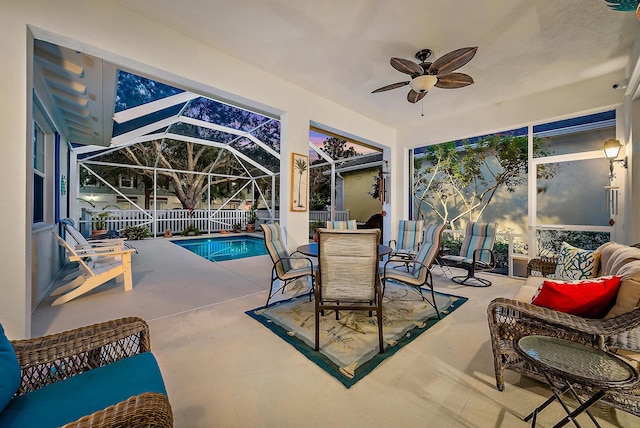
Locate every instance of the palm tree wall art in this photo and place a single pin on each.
(299, 182)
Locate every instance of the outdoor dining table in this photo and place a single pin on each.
(312, 249)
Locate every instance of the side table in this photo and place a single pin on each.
(565, 363)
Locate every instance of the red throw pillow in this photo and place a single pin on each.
(590, 298)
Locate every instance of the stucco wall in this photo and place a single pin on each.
(357, 185)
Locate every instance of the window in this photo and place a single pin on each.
(39, 158)
(126, 182)
(542, 184)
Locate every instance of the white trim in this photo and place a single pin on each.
(153, 106)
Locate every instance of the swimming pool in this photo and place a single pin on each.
(224, 247)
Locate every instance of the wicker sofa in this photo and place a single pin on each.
(618, 331)
(101, 375)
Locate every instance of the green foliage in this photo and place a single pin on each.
(375, 185)
(336, 148)
(99, 219)
(549, 241)
(190, 230)
(177, 160)
(252, 218)
(135, 233)
(236, 227)
(460, 180)
(319, 182)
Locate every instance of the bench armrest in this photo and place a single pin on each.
(144, 410)
(49, 359)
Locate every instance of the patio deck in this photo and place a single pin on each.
(224, 369)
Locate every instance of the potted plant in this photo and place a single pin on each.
(236, 227)
(252, 219)
(313, 228)
(135, 233)
(99, 223)
(190, 230)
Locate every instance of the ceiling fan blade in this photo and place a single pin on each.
(391, 86)
(452, 61)
(414, 97)
(406, 66)
(454, 80)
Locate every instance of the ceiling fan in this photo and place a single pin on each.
(426, 75)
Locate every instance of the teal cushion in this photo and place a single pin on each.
(9, 371)
(69, 400)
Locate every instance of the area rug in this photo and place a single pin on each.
(349, 347)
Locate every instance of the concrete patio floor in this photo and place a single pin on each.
(222, 368)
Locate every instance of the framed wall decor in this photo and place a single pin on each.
(299, 182)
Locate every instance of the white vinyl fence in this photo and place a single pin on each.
(178, 220)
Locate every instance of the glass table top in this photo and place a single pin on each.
(576, 359)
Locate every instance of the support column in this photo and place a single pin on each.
(294, 135)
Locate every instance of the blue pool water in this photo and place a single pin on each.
(225, 247)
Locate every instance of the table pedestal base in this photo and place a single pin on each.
(571, 415)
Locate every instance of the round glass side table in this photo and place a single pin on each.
(565, 363)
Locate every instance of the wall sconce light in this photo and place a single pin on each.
(611, 150)
(385, 167)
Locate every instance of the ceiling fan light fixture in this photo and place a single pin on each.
(423, 83)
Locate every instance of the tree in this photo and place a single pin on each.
(336, 148)
(184, 165)
(319, 181)
(458, 181)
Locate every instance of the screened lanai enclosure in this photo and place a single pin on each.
(178, 160)
(182, 162)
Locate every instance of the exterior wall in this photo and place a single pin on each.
(573, 196)
(114, 33)
(357, 201)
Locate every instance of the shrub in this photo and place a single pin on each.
(136, 233)
(190, 230)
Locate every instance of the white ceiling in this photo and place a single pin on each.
(340, 49)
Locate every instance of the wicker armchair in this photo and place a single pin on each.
(76, 351)
(542, 266)
(509, 320)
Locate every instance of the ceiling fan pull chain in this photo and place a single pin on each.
(422, 102)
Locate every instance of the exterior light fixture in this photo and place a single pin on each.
(611, 150)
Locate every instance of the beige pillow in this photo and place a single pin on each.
(627, 300)
(614, 256)
(606, 250)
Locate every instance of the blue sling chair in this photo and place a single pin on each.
(476, 254)
(342, 225)
(409, 236)
(418, 273)
(283, 268)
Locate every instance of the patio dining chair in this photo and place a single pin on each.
(106, 263)
(418, 274)
(476, 254)
(348, 277)
(409, 237)
(283, 263)
(342, 225)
